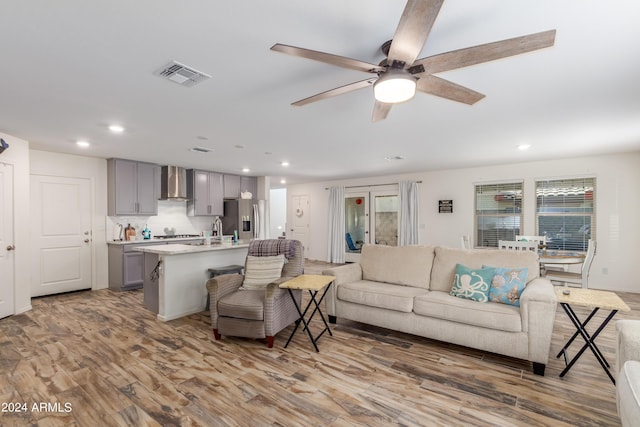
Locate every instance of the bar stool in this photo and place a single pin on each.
(219, 271)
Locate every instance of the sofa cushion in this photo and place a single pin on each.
(507, 285)
(400, 265)
(441, 305)
(444, 263)
(381, 295)
(628, 390)
(472, 284)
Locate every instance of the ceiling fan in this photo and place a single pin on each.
(401, 74)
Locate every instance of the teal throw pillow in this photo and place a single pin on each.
(471, 283)
(507, 285)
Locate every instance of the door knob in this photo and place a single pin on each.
(87, 240)
(11, 247)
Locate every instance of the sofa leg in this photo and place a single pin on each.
(538, 368)
(333, 319)
(216, 334)
(270, 341)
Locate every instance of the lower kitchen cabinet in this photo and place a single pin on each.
(126, 266)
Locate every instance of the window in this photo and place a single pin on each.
(498, 213)
(565, 212)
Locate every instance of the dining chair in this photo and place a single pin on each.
(581, 278)
(513, 245)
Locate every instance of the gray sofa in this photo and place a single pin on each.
(407, 289)
(628, 369)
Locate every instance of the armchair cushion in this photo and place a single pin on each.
(262, 270)
(248, 304)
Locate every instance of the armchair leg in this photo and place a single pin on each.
(333, 319)
(216, 334)
(270, 341)
(538, 368)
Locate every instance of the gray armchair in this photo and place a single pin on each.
(256, 313)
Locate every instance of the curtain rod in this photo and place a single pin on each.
(371, 185)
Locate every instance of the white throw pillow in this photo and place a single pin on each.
(262, 270)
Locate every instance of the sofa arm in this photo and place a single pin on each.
(628, 340)
(538, 305)
(344, 274)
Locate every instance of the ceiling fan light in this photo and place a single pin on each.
(395, 86)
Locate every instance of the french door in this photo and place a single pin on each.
(370, 217)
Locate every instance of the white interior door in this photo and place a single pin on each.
(299, 214)
(61, 234)
(7, 283)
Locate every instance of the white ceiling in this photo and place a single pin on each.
(69, 68)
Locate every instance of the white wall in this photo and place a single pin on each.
(617, 207)
(18, 155)
(278, 212)
(95, 170)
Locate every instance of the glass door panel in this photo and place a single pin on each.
(385, 217)
(356, 210)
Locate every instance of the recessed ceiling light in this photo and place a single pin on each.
(239, 147)
(390, 158)
(116, 128)
(245, 170)
(83, 144)
(202, 138)
(268, 153)
(523, 147)
(283, 181)
(285, 163)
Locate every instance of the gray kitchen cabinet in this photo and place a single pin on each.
(133, 188)
(231, 186)
(250, 184)
(126, 266)
(206, 193)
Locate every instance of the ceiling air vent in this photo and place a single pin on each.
(181, 74)
(201, 149)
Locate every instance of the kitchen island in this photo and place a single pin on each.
(175, 275)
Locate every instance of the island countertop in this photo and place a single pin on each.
(178, 248)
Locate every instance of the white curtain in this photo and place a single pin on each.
(336, 225)
(408, 214)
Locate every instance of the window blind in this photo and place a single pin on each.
(565, 212)
(498, 212)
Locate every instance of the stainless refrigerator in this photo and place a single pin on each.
(239, 215)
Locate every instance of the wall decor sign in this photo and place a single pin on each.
(445, 206)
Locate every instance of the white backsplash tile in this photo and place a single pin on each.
(171, 214)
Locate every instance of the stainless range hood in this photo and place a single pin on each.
(173, 183)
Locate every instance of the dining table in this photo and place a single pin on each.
(560, 257)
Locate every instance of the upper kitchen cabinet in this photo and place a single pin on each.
(250, 184)
(133, 187)
(205, 191)
(231, 186)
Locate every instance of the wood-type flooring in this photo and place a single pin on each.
(99, 358)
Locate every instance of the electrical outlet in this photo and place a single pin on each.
(605, 270)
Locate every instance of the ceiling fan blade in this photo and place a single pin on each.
(327, 58)
(380, 111)
(486, 52)
(335, 92)
(445, 89)
(413, 29)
